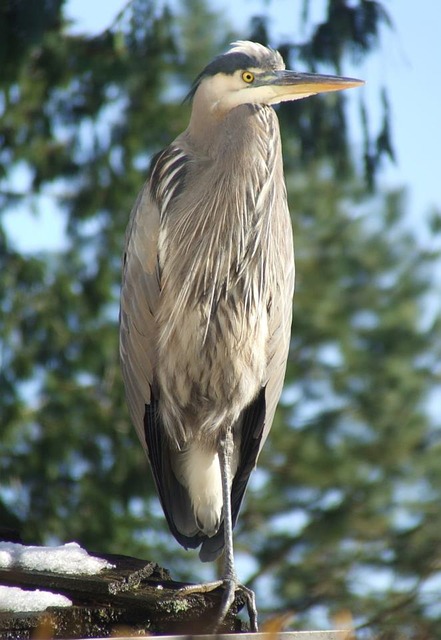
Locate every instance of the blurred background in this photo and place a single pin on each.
(342, 518)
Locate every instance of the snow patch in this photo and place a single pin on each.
(19, 600)
(70, 559)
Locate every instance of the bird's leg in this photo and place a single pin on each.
(229, 579)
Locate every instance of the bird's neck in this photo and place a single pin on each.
(230, 135)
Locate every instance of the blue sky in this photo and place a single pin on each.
(407, 63)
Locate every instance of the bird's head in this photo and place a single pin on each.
(250, 73)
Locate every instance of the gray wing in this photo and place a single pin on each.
(141, 281)
(140, 292)
(280, 333)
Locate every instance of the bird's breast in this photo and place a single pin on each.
(211, 360)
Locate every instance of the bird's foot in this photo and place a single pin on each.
(230, 585)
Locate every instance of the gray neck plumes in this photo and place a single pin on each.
(222, 223)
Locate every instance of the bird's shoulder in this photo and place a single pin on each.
(167, 175)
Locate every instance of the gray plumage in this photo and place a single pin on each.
(207, 290)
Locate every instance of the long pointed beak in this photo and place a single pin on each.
(290, 85)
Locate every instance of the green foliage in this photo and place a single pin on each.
(22, 26)
(351, 29)
(342, 514)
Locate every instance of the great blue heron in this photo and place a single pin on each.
(206, 298)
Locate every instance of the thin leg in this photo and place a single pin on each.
(231, 583)
(229, 580)
(225, 454)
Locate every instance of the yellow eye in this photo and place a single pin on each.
(247, 77)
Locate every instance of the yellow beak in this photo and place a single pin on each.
(291, 85)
